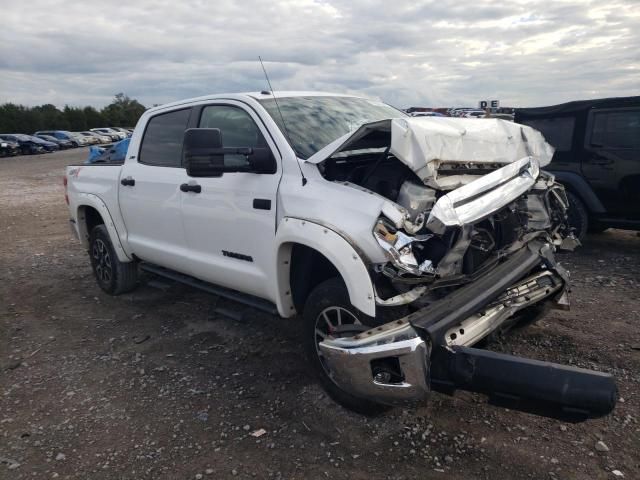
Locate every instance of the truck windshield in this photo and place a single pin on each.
(313, 122)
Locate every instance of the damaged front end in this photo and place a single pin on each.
(470, 228)
(402, 361)
(470, 247)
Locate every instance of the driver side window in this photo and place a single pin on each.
(237, 129)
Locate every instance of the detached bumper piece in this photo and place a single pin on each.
(400, 362)
(543, 388)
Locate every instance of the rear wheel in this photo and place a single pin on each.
(113, 276)
(328, 313)
(578, 216)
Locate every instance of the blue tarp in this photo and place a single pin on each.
(113, 153)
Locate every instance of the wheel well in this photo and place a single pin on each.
(577, 185)
(308, 269)
(88, 219)
(92, 218)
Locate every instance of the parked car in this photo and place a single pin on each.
(398, 257)
(474, 114)
(63, 144)
(460, 112)
(83, 140)
(123, 130)
(61, 134)
(427, 114)
(28, 146)
(114, 134)
(46, 145)
(502, 116)
(99, 137)
(9, 148)
(86, 139)
(597, 158)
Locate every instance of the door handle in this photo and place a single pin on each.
(128, 182)
(186, 187)
(262, 204)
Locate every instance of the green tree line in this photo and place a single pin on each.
(122, 112)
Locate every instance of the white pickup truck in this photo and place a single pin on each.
(400, 242)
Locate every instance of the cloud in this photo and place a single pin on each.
(440, 52)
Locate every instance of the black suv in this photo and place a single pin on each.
(597, 158)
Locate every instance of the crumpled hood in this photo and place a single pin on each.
(423, 143)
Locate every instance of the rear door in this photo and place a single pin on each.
(231, 224)
(150, 196)
(611, 163)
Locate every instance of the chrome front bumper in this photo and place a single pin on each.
(356, 363)
(351, 362)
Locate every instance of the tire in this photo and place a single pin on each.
(578, 216)
(333, 294)
(113, 276)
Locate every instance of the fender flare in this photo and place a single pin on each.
(580, 187)
(91, 200)
(336, 249)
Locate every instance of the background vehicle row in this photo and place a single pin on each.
(44, 141)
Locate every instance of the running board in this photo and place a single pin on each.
(249, 300)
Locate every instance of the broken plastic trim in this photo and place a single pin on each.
(402, 298)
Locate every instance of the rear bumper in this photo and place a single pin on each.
(395, 363)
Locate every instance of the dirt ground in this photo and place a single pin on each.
(158, 384)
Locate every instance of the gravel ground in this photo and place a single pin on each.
(157, 384)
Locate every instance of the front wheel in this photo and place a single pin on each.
(113, 276)
(328, 313)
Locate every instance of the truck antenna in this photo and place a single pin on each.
(284, 124)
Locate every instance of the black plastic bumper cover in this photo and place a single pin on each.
(544, 388)
(436, 319)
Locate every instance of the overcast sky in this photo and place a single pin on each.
(441, 52)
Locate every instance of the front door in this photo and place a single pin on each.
(150, 196)
(231, 223)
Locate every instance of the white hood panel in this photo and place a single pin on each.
(423, 143)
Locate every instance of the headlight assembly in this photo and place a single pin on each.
(399, 248)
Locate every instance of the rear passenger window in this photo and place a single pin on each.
(616, 129)
(557, 131)
(162, 141)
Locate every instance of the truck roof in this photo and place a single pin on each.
(246, 95)
(577, 106)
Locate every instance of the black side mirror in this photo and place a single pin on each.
(198, 152)
(262, 161)
(204, 155)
